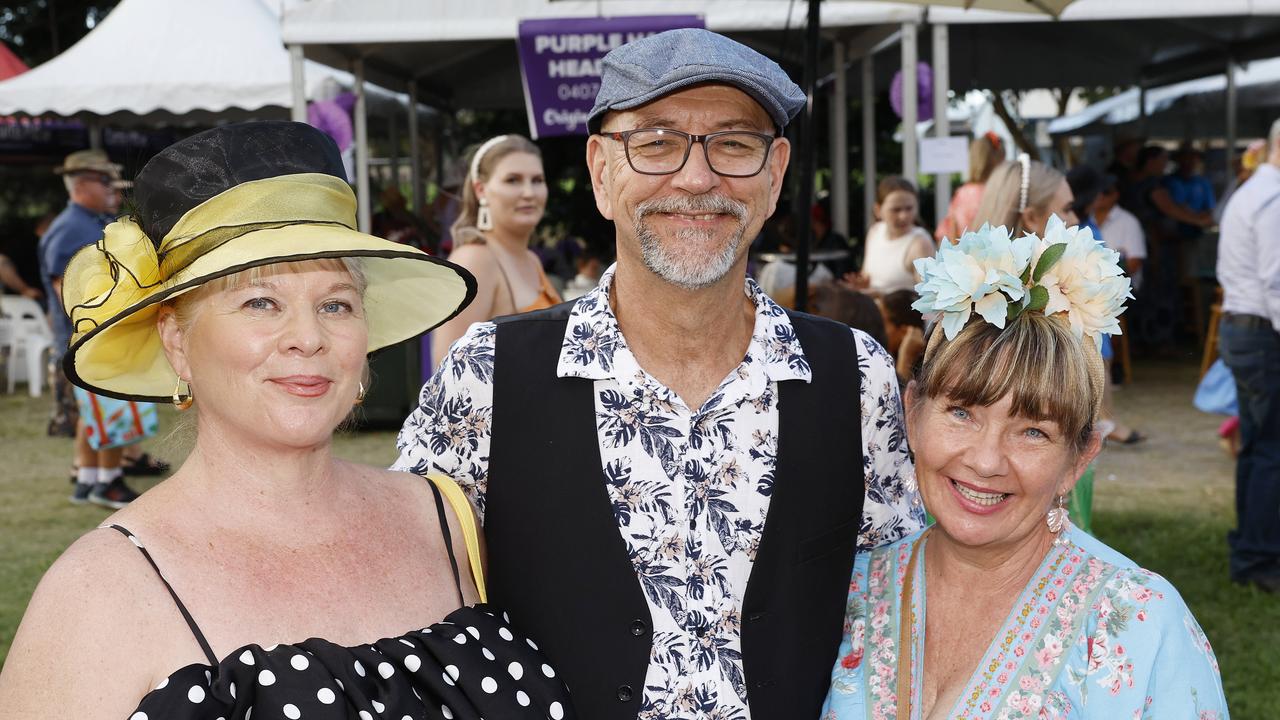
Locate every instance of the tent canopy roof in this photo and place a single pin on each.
(163, 61)
(462, 55)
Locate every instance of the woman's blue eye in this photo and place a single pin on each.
(958, 412)
(260, 303)
(1037, 433)
(337, 306)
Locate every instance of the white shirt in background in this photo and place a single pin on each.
(1249, 247)
(1122, 232)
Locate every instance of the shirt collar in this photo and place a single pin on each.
(594, 347)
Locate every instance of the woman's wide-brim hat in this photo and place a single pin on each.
(220, 202)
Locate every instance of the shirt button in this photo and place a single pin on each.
(639, 627)
(625, 693)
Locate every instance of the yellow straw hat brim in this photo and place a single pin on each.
(408, 293)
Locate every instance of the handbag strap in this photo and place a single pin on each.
(905, 647)
(467, 519)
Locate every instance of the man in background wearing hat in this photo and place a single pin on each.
(93, 183)
(674, 473)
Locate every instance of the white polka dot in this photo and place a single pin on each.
(412, 663)
(446, 712)
(505, 634)
(474, 632)
(326, 696)
(515, 670)
(487, 655)
(359, 669)
(364, 715)
(522, 698)
(452, 670)
(506, 617)
(248, 713)
(546, 670)
(556, 711)
(273, 647)
(340, 685)
(196, 694)
(138, 716)
(299, 662)
(461, 639)
(266, 677)
(377, 705)
(291, 711)
(208, 677)
(406, 642)
(532, 644)
(233, 691)
(385, 670)
(407, 717)
(489, 685)
(246, 657)
(163, 684)
(447, 680)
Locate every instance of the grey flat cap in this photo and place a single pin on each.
(661, 64)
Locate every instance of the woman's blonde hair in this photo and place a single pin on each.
(1035, 360)
(1002, 200)
(490, 154)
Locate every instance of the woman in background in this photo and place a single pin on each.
(985, 154)
(503, 199)
(894, 242)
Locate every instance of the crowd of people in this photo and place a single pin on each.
(670, 497)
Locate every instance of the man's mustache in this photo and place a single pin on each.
(693, 205)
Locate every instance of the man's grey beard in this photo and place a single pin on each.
(683, 260)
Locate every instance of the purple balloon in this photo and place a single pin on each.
(924, 92)
(329, 116)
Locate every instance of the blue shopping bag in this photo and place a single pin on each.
(1217, 391)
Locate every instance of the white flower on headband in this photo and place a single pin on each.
(1086, 283)
(1068, 271)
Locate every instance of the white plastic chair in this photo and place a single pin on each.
(28, 340)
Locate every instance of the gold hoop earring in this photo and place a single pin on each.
(180, 401)
(484, 219)
(360, 393)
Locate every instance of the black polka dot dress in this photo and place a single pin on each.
(471, 665)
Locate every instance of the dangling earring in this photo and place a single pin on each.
(180, 401)
(484, 220)
(360, 393)
(1059, 520)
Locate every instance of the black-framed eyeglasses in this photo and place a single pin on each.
(659, 151)
(102, 178)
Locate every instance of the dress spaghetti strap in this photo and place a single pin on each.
(448, 540)
(191, 623)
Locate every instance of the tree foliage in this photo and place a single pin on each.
(37, 30)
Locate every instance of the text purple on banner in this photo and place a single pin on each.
(560, 64)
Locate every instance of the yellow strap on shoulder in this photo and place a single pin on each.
(467, 519)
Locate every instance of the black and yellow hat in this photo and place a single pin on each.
(219, 202)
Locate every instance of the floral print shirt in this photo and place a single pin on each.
(690, 487)
(1093, 637)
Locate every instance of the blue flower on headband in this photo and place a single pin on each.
(981, 273)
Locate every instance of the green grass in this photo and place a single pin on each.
(1166, 503)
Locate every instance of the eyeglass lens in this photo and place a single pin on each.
(737, 154)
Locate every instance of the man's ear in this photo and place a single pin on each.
(597, 163)
(779, 158)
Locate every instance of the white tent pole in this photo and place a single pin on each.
(1231, 118)
(868, 141)
(839, 143)
(941, 125)
(95, 136)
(363, 212)
(415, 154)
(1142, 109)
(298, 84)
(910, 101)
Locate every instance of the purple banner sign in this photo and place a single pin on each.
(560, 64)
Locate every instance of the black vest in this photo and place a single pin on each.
(558, 563)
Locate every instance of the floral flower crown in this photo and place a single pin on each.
(1068, 272)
